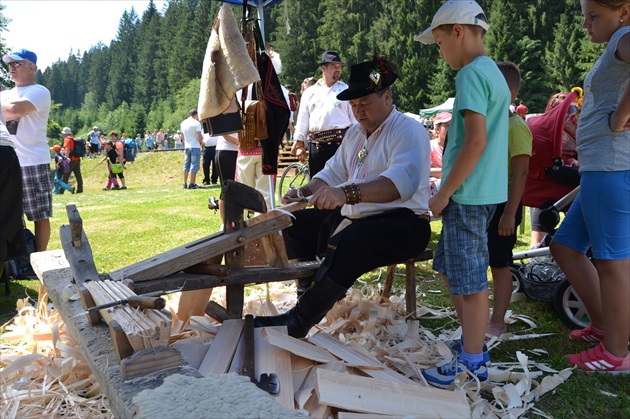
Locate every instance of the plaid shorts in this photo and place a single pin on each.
(462, 252)
(37, 197)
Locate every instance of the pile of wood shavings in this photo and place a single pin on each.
(42, 372)
(378, 327)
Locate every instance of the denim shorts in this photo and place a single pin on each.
(462, 252)
(192, 159)
(599, 217)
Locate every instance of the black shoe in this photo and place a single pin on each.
(193, 186)
(117, 187)
(123, 187)
(205, 183)
(72, 191)
(185, 186)
(309, 310)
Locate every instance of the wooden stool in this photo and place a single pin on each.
(410, 280)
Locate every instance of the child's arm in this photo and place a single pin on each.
(475, 140)
(620, 118)
(520, 165)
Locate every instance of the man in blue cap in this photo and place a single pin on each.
(371, 200)
(26, 108)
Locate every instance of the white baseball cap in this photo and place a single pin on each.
(66, 130)
(463, 12)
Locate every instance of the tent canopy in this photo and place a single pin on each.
(444, 107)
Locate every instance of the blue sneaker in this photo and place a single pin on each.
(456, 349)
(444, 376)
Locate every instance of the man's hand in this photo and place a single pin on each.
(301, 154)
(290, 196)
(328, 198)
(437, 204)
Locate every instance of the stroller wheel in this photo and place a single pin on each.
(517, 279)
(569, 306)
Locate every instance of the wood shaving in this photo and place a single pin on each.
(42, 372)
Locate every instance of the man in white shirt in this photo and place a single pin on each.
(26, 108)
(371, 199)
(322, 119)
(93, 137)
(191, 134)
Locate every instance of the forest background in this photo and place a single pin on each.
(148, 76)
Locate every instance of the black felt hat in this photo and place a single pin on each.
(369, 77)
(330, 57)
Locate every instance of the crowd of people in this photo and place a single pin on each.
(376, 172)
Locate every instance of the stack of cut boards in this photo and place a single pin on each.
(144, 328)
(323, 373)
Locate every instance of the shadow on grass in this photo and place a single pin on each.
(20, 288)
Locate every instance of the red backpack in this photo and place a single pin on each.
(294, 103)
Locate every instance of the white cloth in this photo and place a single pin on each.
(249, 172)
(31, 143)
(398, 150)
(190, 127)
(209, 140)
(320, 110)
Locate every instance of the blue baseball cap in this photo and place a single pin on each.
(19, 55)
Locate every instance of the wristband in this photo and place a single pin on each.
(304, 191)
(353, 193)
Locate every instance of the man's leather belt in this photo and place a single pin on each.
(424, 217)
(328, 135)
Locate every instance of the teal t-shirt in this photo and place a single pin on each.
(480, 87)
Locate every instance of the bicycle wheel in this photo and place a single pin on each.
(290, 180)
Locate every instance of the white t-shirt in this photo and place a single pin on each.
(223, 144)
(190, 127)
(31, 144)
(209, 141)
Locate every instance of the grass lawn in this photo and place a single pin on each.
(155, 214)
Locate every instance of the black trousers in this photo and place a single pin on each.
(318, 155)
(75, 167)
(208, 158)
(366, 244)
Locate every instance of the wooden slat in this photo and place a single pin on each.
(271, 359)
(80, 258)
(243, 276)
(297, 346)
(364, 394)
(149, 361)
(192, 303)
(358, 359)
(177, 259)
(219, 356)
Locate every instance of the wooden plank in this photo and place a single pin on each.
(243, 276)
(95, 342)
(148, 361)
(365, 363)
(271, 359)
(315, 408)
(190, 254)
(297, 346)
(217, 311)
(192, 353)
(364, 394)
(192, 303)
(221, 351)
(76, 225)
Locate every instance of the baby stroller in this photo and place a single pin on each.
(552, 185)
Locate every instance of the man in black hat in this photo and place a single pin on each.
(371, 200)
(322, 118)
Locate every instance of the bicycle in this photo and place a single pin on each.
(296, 174)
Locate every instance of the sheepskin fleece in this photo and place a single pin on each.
(227, 66)
(222, 396)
